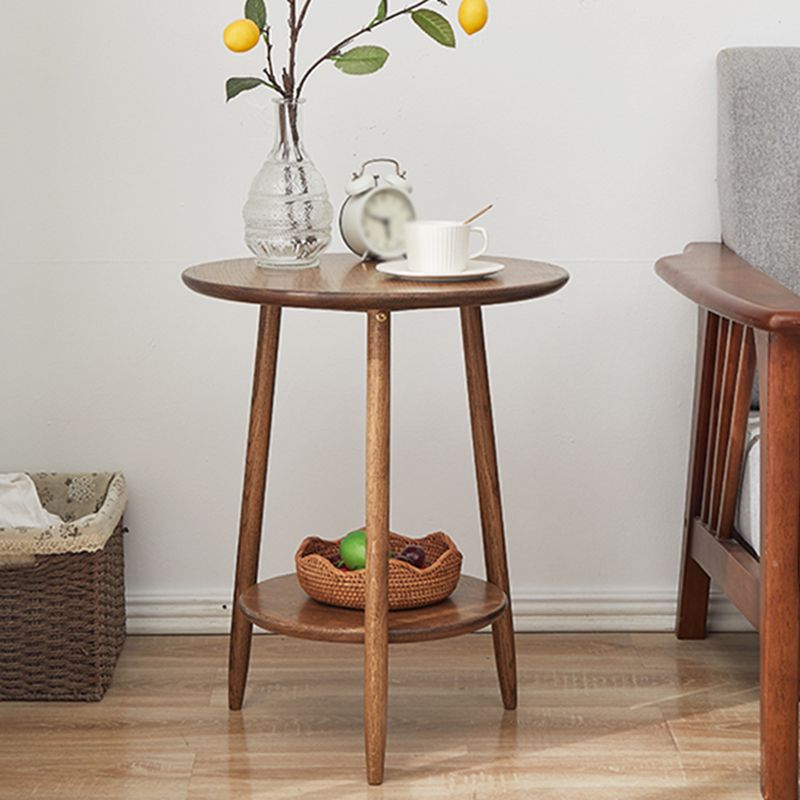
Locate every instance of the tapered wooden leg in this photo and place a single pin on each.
(255, 475)
(694, 582)
(779, 370)
(494, 543)
(376, 613)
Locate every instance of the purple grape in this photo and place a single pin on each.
(414, 555)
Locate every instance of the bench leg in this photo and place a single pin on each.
(694, 582)
(779, 369)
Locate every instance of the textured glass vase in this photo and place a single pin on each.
(288, 213)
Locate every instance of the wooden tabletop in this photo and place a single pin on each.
(344, 283)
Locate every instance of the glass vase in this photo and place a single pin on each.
(288, 213)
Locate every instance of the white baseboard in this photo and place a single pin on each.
(533, 612)
(607, 613)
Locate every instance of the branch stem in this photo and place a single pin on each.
(348, 39)
(302, 18)
(269, 71)
(294, 32)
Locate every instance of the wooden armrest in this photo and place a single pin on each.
(714, 277)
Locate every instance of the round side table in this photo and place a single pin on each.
(342, 283)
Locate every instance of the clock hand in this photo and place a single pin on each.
(387, 224)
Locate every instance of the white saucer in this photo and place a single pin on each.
(477, 269)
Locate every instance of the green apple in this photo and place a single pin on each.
(353, 549)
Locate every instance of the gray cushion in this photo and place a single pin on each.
(759, 158)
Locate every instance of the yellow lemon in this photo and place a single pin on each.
(473, 15)
(241, 36)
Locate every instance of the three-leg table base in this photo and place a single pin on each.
(485, 602)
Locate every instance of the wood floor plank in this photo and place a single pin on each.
(640, 717)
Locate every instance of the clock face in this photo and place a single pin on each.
(386, 213)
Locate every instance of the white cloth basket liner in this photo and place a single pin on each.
(91, 505)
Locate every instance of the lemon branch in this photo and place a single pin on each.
(269, 70)
(296, 22)
(302, 18)
(337, 48)
(290, 69)
(244, 34)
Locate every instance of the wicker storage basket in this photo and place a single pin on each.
(62, 613)
(409, 587)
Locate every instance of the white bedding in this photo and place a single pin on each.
(20, 506)
(748, 521)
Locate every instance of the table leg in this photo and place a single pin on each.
(494, 545)
(376, 621)
(252, 513)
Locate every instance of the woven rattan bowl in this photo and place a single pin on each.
(409, 586)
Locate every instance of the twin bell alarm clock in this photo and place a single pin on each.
(374, 216)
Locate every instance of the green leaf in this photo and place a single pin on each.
(436, 26)
(361, 60)
(380, 16)
(234, 86)
(256, 10)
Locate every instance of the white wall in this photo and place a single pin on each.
(591, 124)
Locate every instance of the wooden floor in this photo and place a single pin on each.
(601, 717)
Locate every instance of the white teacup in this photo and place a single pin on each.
(440, 248)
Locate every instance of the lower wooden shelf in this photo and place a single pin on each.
(281, 606)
